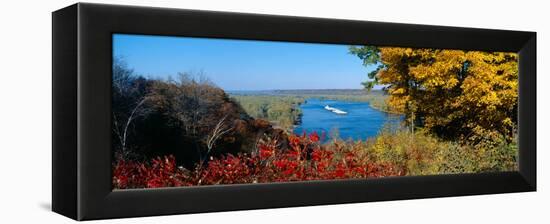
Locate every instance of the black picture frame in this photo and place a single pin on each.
(82, 57)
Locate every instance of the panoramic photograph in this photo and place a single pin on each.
(206, 111)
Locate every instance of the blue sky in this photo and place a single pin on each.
(243, 64)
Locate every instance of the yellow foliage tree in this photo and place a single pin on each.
(457, 94)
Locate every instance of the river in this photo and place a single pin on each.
(360, 122)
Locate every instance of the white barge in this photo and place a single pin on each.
(335, 110)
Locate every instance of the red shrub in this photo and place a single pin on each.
(226, 170)
(306, 159)
(161, 172)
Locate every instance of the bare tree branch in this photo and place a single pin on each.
(218, 131)
(123, 134)
(116, 128)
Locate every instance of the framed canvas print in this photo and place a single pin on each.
(167, 111)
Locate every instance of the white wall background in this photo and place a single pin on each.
(25, 112)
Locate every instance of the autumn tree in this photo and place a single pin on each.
(129, 101)
(205, 112)
(456, 94)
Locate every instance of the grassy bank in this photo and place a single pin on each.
(422, 154)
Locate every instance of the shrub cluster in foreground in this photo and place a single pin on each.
(305, 159)
(423, 154)
(389, 154)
